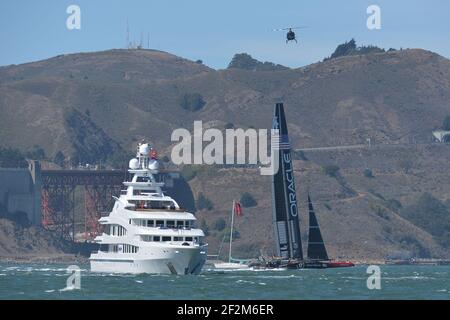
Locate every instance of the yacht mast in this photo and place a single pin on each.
(231, 230)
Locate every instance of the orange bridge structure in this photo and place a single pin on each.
(60, 196)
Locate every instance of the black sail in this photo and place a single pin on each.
(284, 200)
(316, 247)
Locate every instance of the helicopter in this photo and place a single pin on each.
(290, 36)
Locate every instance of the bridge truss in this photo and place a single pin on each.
(58, 199)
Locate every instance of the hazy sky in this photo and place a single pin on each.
(215, 30)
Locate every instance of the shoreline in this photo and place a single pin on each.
(45, 259)
(67, 258)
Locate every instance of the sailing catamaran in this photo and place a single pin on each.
(285, 211)
(285, 215)
(284, 199)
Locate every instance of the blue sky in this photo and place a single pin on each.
(215, 30)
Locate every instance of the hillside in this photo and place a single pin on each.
(19, 243)
(96, 105)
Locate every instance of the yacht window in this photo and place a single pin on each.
(150, 223)
(155, 204)
(156, 238)
(160, 223)
(180, 224)
(177, 238)
(170, 224)
(168, 205)
(188, 239)
(165, 238)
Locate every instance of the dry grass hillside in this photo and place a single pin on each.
(97, 105)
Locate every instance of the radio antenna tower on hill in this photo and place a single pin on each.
(134, 45)
(129, 44)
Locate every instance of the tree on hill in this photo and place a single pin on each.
(220, 224)
(203, 202)
(12, 158)
(344, 49)
(247, 200)
(331, 170)
(59, 159)
(246, 62)
(446, 123)
(192, 101)
(36, 153)
(349, 48)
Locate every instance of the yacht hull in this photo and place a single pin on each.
(163, 261)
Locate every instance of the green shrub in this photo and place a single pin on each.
(12, 158)
(368, 173)
(229, 125)
(36, 153)
(379, 211)
(203, 202)
(247, 200)
(192, 101)
(331, 170)
(219, 224)
(246, 62)
(59, 159)
(394, 204)
(349, 48)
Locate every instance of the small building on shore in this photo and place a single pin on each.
(441, 135)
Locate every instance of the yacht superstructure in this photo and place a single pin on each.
(147, 231)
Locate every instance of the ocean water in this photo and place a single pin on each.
(37, 281)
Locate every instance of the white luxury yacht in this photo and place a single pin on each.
(146, 231)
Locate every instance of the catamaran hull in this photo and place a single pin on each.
(171, 261)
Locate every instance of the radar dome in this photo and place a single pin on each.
(134, 164)
(153, 165)
(144, 149)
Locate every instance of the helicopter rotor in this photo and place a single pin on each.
(290, 28)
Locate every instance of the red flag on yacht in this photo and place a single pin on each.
(237, 209)
(154, 154)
